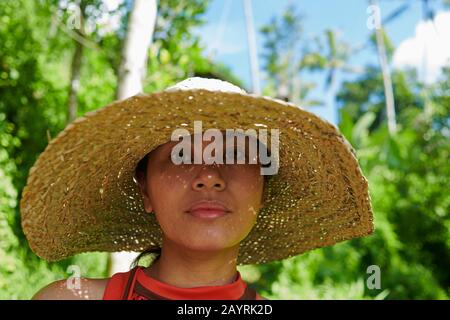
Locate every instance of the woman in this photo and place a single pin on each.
(124, 191)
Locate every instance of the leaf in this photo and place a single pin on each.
(360, 132)
(346, 125)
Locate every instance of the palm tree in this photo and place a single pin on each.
(331, 60)
(427, 15)
(336, 57)
(282, 39)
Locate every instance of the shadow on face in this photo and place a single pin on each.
(169, 189)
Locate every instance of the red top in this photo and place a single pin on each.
(135, 284)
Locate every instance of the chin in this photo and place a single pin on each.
(209, 244)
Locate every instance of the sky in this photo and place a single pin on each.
(224, 34)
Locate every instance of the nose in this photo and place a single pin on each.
(209, 178)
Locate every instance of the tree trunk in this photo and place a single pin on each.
(131, 74)
(75, 71)
(425, 80)
(252, 47)
(135, 50)
(75, 81)
(387, 82)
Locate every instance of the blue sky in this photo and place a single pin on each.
(225, 30)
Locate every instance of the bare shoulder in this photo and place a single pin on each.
(85, 289)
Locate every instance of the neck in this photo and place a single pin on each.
(186, 268)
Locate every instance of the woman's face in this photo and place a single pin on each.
(169, 190)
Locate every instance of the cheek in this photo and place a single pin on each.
(167, 191)
(169, 177)
(247, 185)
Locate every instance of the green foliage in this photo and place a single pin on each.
(408, 173)
(408, 176)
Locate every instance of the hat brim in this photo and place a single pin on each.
(80, 194)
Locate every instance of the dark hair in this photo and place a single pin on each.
(141, 167)
(155, 252)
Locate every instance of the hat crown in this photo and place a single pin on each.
(206, 84)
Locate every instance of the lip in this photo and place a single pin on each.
(208, 209)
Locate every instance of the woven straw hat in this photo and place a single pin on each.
(81, 196)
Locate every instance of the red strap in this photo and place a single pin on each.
(115, 286)
(128, 292)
